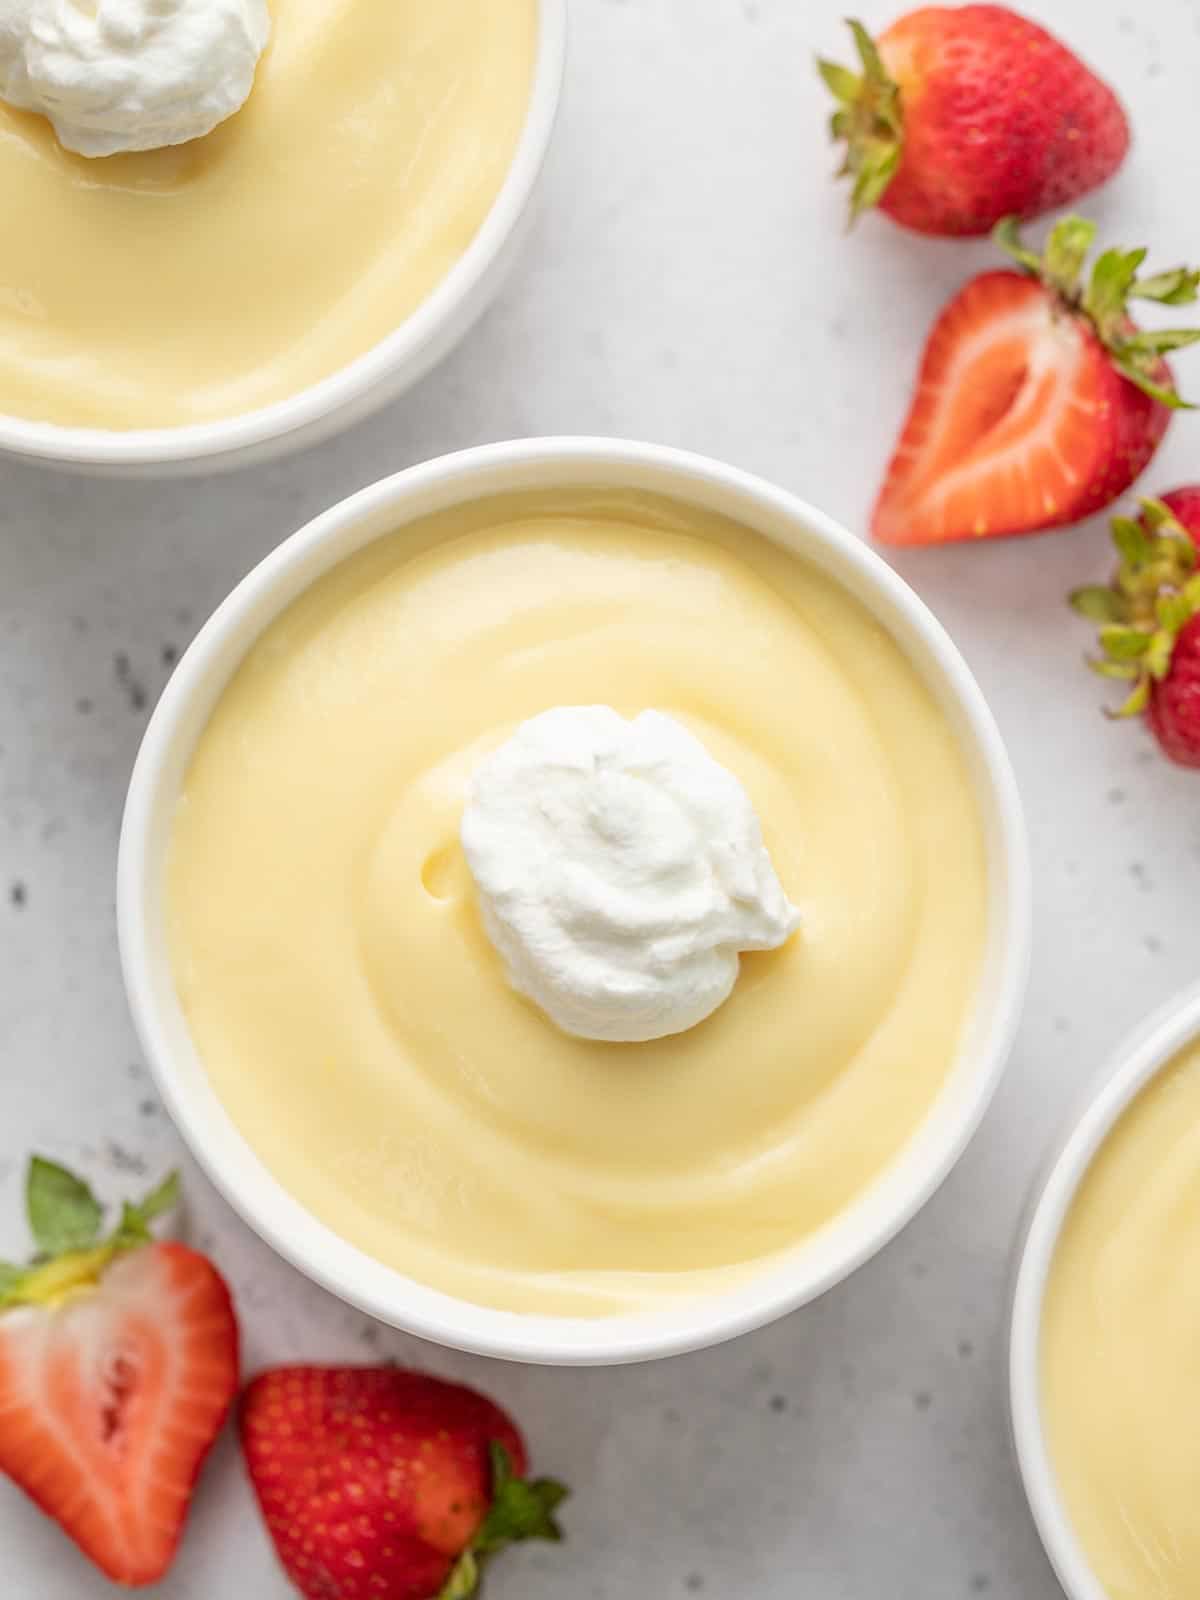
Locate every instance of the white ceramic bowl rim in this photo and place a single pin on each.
(1136, 1062)
(820, 1261)
(228, 436)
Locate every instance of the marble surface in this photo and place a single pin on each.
(690, 282)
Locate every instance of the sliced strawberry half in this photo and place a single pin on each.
(1038, 401)
(118, 1366)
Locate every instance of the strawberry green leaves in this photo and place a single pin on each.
(1175, 288)
(1113, 278)
(66, 1221)
(520, 1509)
(1154, 595)
(844, 85)
(134, 1226)
(1138, 354)
(868, 120)
(1104, 298)
(1067, 249)
(464, 1578)
(1098, 604)
(1007, 235)
(1139, 360)
(64, 1214)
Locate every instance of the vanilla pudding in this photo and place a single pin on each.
(357, 1021)
(198, 282)
(1120, 1376)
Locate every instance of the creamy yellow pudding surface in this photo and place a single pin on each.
(353, 1015)
(198, 282)
(1121, 1348)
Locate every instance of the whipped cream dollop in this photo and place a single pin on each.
(620, 872)
(116, 75)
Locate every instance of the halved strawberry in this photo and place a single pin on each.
(118, 1365)
(1038, 401)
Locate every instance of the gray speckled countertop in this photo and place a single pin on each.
(689, 282)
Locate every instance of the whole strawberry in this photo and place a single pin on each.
(963, 115)
(381, 1484)
(1038, 400)
(118, 1365)
(1150, 620)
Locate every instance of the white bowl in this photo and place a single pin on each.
(1153, 1047)
(370, 382)
(186, 705)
